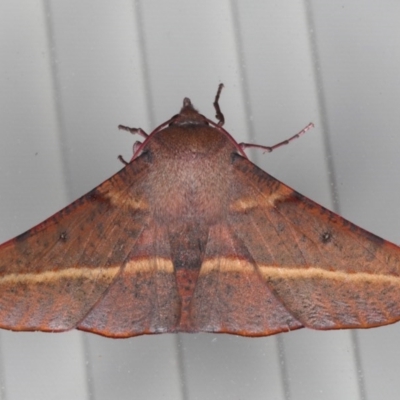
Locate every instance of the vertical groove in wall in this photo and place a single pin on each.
(3, 391)
(181, 366)
(55, 84)
(283, 368)
(241, 62)
(362, 391)
(240, 55)
(90, 387)
(322, 104)
(57, 99)
(330, 163)
(144, 61)
(145, 70)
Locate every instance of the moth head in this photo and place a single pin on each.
(188, 115)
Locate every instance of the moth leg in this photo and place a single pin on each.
(135, 148)
(122, 159)
(220, 117)
(275, 146)
(139, 131)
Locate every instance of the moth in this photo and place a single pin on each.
(191, 236)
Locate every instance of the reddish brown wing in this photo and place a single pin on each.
(324, 272)
(101, 264)
(230, 294)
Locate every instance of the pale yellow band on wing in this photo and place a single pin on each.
(293, 273)
(103, 274)
(222, 264)
(247, 203)
(119, 198)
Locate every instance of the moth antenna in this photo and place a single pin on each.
(220, 117)
(134, 131)
(271, 148)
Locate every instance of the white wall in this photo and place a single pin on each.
(71, 71)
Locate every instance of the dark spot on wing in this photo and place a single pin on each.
(234, 157)
(147, 155)
(63, 236)
(326, 237)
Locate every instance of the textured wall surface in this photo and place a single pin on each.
(71, 71)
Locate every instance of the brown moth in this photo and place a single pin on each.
(191, 236)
